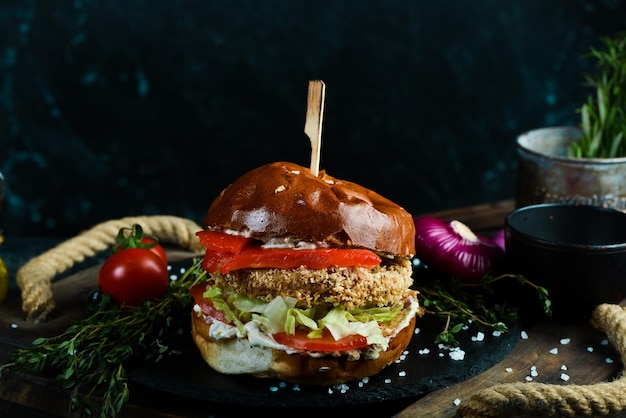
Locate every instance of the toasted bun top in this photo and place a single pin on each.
(283, 199)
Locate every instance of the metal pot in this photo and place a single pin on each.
(546, 175)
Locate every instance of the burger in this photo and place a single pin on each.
(309, 278)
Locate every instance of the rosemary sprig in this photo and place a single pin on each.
(603, 115)
(93, 355)
(461, 304)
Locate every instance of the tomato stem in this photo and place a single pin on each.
(133, 237)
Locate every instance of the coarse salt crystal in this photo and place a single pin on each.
(387, 380)
(479, 337)
(608, 360)
(590, 349)
(554, 351)
(416, 331)
(509, 370)
(402, 373)
(496, 333)
(534, 373)
(457, 354)
(529, 379)
(565, 341)
(563, 367)
(604, 342)
(424, 351)
(564, 377)
(457, 402)
(13, 326)
(524, 335)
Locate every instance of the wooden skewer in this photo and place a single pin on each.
(314, 117)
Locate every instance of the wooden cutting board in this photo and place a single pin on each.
(551, 353)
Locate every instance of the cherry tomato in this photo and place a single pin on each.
(133, 275)
(326, 343)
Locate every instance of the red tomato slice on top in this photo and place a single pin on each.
(213, 261)
(223, 242)
(325, 344)
(227, 252)
(286, 258)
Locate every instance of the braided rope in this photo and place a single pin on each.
(538, 399)
(35, 277)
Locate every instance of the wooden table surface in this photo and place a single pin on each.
(553, 353)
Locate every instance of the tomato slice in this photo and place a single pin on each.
(223, 242)
(326, 343)
(213, 261)
(197, 292)
(226, 252)
(286, 258)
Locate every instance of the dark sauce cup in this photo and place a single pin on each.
(577, 252)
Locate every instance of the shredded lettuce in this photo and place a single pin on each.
(342, 323)
(281, 315)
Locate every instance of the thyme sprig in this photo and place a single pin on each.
(460, 304)
(93, 355)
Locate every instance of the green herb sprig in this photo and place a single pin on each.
(461, 304)
(93, 355)
(603, 116)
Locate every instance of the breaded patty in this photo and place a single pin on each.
(349, 287)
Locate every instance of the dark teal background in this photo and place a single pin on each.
(114, 108)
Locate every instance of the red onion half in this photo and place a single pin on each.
(451, 248)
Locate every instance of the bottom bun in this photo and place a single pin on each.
(238, 356)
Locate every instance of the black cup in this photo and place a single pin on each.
(577, 252)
